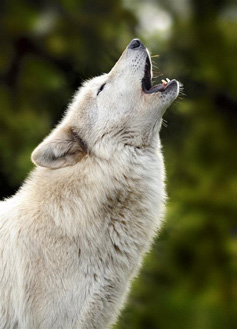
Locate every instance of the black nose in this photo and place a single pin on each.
(136, 43)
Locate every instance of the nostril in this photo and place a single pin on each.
(135, 43)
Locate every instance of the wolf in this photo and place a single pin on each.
(74, 235)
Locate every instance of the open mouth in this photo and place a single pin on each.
(147, 83)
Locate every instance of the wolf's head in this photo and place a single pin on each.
(118, 109)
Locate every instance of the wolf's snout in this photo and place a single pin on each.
(136, 43)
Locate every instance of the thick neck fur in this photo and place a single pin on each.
(98, 187)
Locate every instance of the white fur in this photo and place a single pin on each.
(73, 236)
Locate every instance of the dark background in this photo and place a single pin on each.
(47, 48)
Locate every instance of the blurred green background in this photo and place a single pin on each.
(47, 48)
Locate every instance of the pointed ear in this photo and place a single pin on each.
(62, 148)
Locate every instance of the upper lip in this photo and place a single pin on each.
(147, 83)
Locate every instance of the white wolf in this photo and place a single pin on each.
(73, 236)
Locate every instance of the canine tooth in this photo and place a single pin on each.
(168, 80)
(163, 81)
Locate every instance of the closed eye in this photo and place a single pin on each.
(101, 88)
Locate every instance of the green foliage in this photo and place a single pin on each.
(189, 280)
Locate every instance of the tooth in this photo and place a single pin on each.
(163, 81)
(168, 80)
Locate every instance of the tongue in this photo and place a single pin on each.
(154, 89)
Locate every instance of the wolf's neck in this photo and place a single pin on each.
(94, 189)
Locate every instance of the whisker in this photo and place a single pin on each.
(158, 76)
(164, 123)
(156, 71)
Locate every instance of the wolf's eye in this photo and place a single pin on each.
(101, 88)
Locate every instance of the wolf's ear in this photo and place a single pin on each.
(62, 148)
